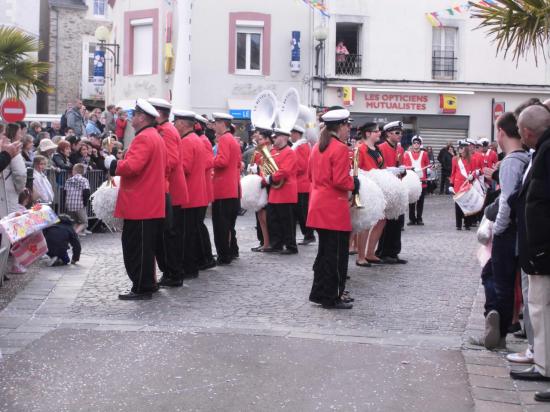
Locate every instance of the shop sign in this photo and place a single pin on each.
(348, 95)
(447, 103)
(397, 102)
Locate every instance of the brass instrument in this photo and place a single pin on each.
(268, 166)
(355, 200)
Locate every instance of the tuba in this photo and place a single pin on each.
(269, 166)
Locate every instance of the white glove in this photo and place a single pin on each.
(394, 171)
(452, 190)
(108, 160)
(253, 168)
(470, 178)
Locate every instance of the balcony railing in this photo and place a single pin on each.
(348, 64)
(444, 64)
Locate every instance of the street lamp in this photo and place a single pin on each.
(102, 35)
(320, 34)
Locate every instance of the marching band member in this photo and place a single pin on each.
(464, 167)
(194, 161)
(204, 252)
(489, 156)
(417, 160)
(329, 214)
(141, 200)
(169, 257)
(283, 195)
(226, 183)
(369, 158)
(389, 245)
(303, 150)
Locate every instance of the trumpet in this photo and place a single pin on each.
(268, 166)
(355, 200)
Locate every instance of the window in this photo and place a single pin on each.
(141, 42)
(444, 53)
(100, 8)
(348, 58)
(143, 46)
(249, 50)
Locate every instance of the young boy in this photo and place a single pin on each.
(58, 238)
(77, 189)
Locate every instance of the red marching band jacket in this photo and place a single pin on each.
(177, 186)
(194, 160)
(140, 195)
(227, 168)
(302, 150)
(489, 158)
(209, 167)
(457, 178)
(418, 160)
(331, 182)
(393, 156)
(366, 161)
(286, 162)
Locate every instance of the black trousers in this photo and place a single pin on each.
(139, 239)
(300, 215)
(259, 233)
(488, 282)
(204, 252)
(224, 217)
(168, 250)
(416, 209)
(459, 216)
(330, 268)
(444, 184)
(281, 225)
(389, 244)
(191, 240)
(505, 266)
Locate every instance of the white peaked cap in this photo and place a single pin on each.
(201, 119)
(298, 129)
(417, 138)
(336, 116)
(398, 124)
(160, 103)
(146, 107)
(222, 116)
(184, 114)
(277, 131)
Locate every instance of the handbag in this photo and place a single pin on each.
(28, 250)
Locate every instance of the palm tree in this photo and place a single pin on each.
(517, 26)
(20, 74)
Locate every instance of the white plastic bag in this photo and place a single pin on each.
(485, 231)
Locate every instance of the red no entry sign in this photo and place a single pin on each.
(498, 109)
(13, 110)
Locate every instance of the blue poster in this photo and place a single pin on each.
(295, 56)
(99, 67)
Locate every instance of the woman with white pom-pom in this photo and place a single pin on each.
(417, 160)
(369, 158)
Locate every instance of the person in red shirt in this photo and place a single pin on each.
(120, 124)
(302, 149)
(204, 252)
(329, 214)
(141, 201)
(475, 153)
(168, 253)
(389, 245)
(489, 156)
(417, 160)
(226, 184)
(193, 157)
(283, 196)
(464, 168)
(369, 158)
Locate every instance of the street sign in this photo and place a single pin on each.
(13, 110)
(498, 109)
(240, 114)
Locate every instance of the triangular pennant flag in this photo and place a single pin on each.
(450, 11)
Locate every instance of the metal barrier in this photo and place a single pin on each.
(58, 179)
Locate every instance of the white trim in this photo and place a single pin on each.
(427, 91)
(250, 23)
(142, 22)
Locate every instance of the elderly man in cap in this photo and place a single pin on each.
(389, 245)
(283, 196)
(417, 160)
(301, 146)
(169, 251)
(194, 158)
(141, 200)
(226, 184)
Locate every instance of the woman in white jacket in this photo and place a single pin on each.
(15, 178)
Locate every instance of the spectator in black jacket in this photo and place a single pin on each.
(58, 238)
(445, 158)
(60, 159)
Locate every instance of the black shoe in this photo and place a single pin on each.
(271, 250)
(530, 374)
(136, 296)
(169, 282)
(208, 265)
(339, 304)
(289, 252)
(467, 228)
(419, 222)
(192, 275)
(257, 248)
(347, 299)
(458, 228)
(307, 241)
(411, 223)
(363, 265)
(376, 261)
(542, 396)
(515, 327)
(400, 261)
(221, 262)
(235, 255)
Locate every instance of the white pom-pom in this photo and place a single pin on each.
(414, 186)
(104, 202)
(253, 195)
(374, 204)
(395, 192)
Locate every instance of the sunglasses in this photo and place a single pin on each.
(397, 133)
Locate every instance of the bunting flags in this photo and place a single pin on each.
(318, 5)
(454, 11)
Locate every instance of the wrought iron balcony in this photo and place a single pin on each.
(348, 64)
(444, 64)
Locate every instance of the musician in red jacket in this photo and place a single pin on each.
(417, 160)
(168, 252)
(204, 252)
(226, 183)
(141, 200)
(488, 156)
(329, 214)
(283, 196)
(389, 245)
(464, 168)
(302, 149)
(194, 160)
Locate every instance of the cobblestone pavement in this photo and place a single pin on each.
(422, 310)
